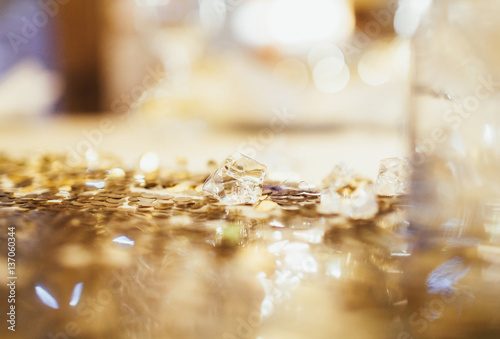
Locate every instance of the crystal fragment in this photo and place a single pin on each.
(330, 202)
(238, 181)
(341, 176)
(360, 204)
(363, 203)
(348, 194)
(393, 177)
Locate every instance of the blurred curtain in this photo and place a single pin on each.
(56, 36)
(81, 31)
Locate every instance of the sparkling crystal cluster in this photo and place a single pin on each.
(346, 193)
(393, 177)
(238, 181)
(341, 176)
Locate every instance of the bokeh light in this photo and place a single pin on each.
(331, 75)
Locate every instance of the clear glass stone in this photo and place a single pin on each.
(238, 181)
(331, 202)
(360, 204)
(393, 177)
(341, 176)
(363, 202)
(348, 194)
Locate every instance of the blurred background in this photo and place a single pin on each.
(298, 80)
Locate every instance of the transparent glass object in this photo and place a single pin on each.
(452, 275)
(239, 180)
